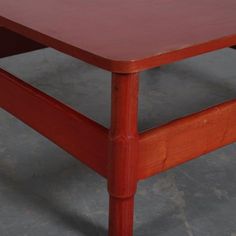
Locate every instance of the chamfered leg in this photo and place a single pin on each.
(123, 137)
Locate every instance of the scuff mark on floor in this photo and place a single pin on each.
(178, 199)
(221, 194)
(176, 196)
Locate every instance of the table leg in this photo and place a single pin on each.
(122, 177)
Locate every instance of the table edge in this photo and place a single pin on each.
(130, 66)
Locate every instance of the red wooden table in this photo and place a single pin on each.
(124, 37)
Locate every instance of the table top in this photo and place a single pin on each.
(125, 35)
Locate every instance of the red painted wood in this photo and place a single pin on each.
(78, 135)
(122, 178)
(13, 43)
(187, 138)
(121, 216)
(125, 36)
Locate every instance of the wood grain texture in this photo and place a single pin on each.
(12, 43)
(123, 155)
(125, 36)
(83, 138)
(187, 138)
(121, 216)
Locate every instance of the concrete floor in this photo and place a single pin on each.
(44, 191)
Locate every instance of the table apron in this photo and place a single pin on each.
(186, 138)
(159, 148)
(83, 138)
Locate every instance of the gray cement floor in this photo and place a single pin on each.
(45, 192)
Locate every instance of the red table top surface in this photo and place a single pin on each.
(128, 31)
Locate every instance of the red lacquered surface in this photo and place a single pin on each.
(125, 35)
(78, 135)
(123, 158)
(186, 138)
